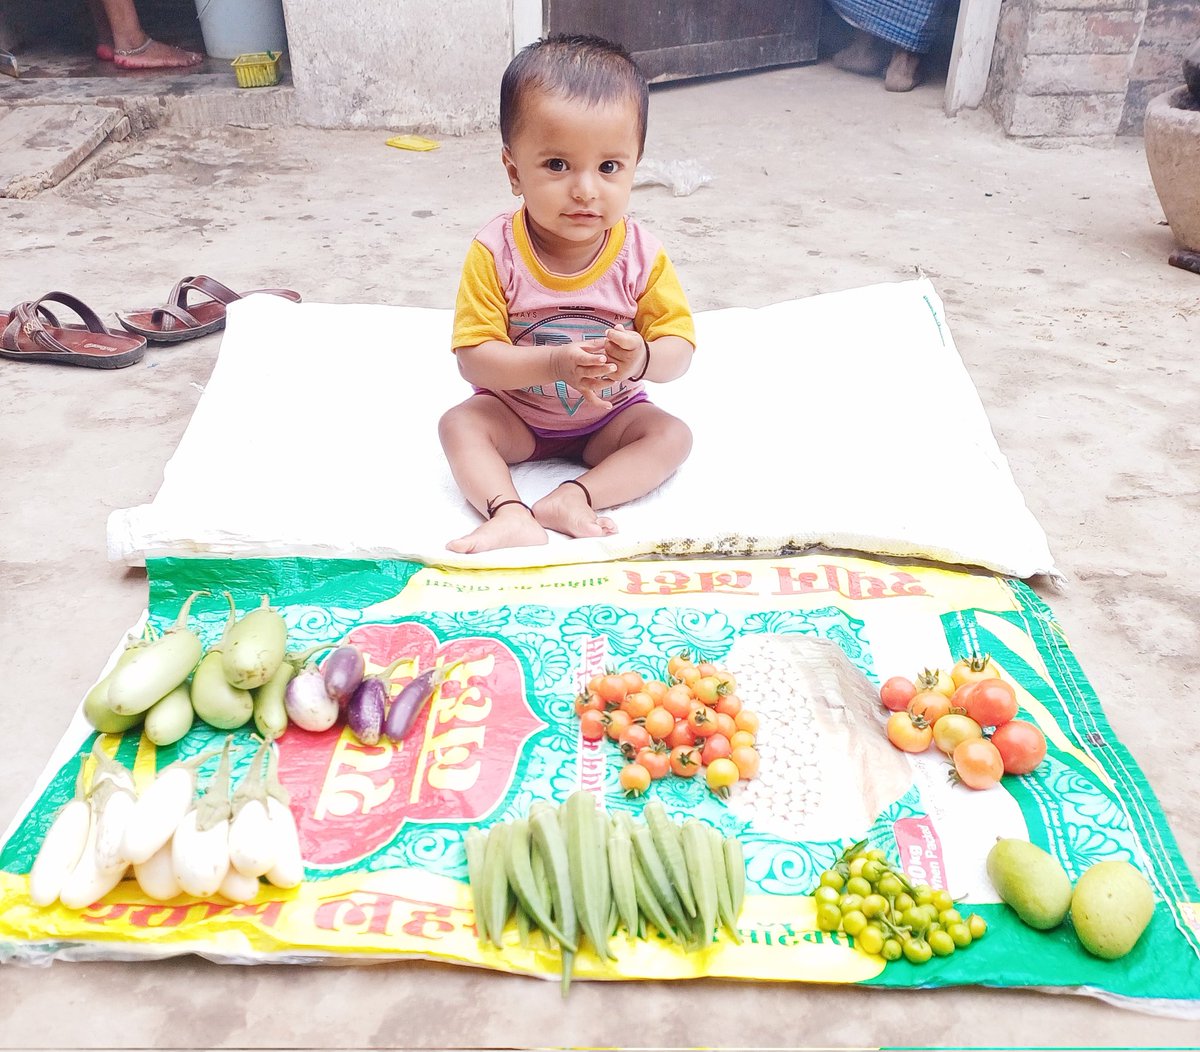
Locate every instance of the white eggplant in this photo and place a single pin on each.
(114, 805)
(251, 844)
(253, 648)
(89, 881)
(62, 847)
(200, 845)
(237, 887)
(288, 868)
(157, 668)
(156, 875)
(160, 809)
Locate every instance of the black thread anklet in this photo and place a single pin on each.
(586, 495)
(495, 504)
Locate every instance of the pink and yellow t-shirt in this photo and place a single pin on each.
(507, 295)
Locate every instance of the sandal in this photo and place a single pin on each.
(31, 332)
(177, 320)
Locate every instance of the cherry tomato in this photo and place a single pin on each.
(907, 733)
(591, 700)
(681, 660)
(978, 763)
(716, 747)
(747, 760)
(952, 729)
(703, 721)
(594, 683)
(635, 779)
(746, 721)
(592, 726)
(638, 704)
(707, 668)
(685, 760)
(678, 701)
(972, 669)
(720, 775)
(689, 674)
(707, 689)
(611, 688)
(896, 693)
(634, 681)
(958, 700)
(656, 688)
(659, 723)
(681, 735)
(728, 683)
(930, 704)
(729, 704)
(656, 761)
(992, 703)
(633, 739)
(725, 725)
(935, 679)
(738, 739)
(1022, 746)
(616, 723)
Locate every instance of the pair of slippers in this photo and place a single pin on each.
(32, 332)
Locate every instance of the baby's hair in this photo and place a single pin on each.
(573, 66)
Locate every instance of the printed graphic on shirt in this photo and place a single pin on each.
(558, 327)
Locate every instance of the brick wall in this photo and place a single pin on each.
(1061, 68)
(1169, 28)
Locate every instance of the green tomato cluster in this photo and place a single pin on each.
(874, 903)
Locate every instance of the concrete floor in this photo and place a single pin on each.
(1080, 338)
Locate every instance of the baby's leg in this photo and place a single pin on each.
(481, 437)
(630, 456)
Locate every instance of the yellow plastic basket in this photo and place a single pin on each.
(257, 70)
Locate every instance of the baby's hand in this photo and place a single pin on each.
(585, 368)
(626, 350)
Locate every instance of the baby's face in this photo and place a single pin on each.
(574, 166)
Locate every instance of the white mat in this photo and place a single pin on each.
(317, 435)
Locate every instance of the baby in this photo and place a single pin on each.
(566, 307)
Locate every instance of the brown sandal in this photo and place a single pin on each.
(177, 320)
(31, 332)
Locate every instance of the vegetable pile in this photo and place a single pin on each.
(695, 723)
(176, 843)
(874, 903)
(572, 872)
(951, 711)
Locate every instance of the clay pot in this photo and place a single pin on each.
(1172, 141)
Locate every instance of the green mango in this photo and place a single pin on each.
(1111, 907)
(1031, 881)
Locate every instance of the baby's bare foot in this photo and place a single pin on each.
(566, 510)
(510, 527)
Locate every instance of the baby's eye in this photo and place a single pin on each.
(609, 167)
(556, 164)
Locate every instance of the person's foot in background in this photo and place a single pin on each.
(865, 54)
(903, 71)
(123, 41)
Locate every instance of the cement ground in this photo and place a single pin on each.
(1080, 339)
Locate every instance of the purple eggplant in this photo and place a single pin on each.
(343, 671)
(364, 713)
(409, 702)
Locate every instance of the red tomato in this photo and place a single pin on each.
(729, 704)
(702, 720)
(896, 693)
(1022, 746)
(616, 723)
(592, 725)
(591, 700)
(656, 761)
(633, 681)
(659, 722)
(716, 747)
(634, 738)
(906, 734)
(656, 688)
(958, 700)
(725, 725)
(978, 764)
(972, 669)
(685, 760)
(681, 735)
(707, 668)
(992, 703)
(638, 704)
(932, 705)
(611, 688)
(689, 674)
(681, 660)
(678, 701)
(707, 689)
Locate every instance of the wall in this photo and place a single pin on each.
(1061, 68)
(1169, 28)
(421, 65)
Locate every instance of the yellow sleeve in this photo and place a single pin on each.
(663, 308)
(480, 312)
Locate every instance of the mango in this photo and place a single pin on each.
(1030, 881)
(1111, 907)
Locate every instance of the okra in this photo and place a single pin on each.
(704, 878)
(519, 868)
(523, 926)
(587, 860)
(494, 901)
(667, 840)
(649, 905)
(735, 873)
(551, 847)
(620, 869)
(656, 874)
(716, 850)
(475, 844)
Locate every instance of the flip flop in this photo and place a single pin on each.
(176, 320)
(31, 332)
